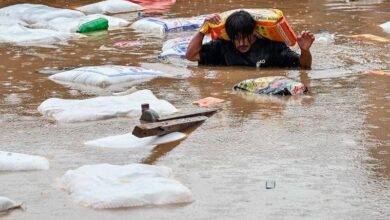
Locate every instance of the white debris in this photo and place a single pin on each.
(325, 37)
(6, 204)
(386, 26)
(106, 75)
(161, 26)
(104, 186)
(15, 162)
(111, 7)
(104, 107)
(131, 141)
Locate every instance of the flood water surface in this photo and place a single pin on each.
(327, 151)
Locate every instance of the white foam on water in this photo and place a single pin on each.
(17, 162)
(103, 186)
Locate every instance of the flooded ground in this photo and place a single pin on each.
(329, 151)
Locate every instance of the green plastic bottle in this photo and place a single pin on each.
(94, 25)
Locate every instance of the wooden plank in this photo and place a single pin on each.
(197, 112)
(166, 127)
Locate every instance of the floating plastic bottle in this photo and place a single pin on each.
(94, 25)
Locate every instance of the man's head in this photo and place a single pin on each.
(240, 27)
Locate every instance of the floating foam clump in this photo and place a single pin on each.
(103, 107)
(6, 204)
(103, 186)
(161, 26)
(131, 141)
(16, 162)
(111, 7)
(104, 76)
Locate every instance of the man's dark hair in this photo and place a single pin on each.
(240, 24)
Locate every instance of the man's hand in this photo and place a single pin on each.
(305, 40)
(213, 19)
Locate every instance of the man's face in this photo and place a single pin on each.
(244, 44)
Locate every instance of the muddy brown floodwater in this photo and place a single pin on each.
(329, 151)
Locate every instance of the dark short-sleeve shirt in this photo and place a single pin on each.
(263, 53)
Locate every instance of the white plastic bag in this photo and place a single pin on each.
(111, 7)
(103, 186)
(104, 107)
(107, 75)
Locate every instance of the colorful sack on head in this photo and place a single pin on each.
(270, 23)
(272, 85)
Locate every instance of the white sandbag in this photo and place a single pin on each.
(72, 24)
(386, 26)
(36, 13)
(131, 141)
(103, 186)
(21, 35)
(10, 21)
(104, 107)
(178, 46)
(7, 204)
(111, 7)
(14, 162)
(106, 75)
(158, 25)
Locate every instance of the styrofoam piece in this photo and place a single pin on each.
(131, 141)
(111, 7)
(16, 162)
(7, 204)
(386, 26)
(106, 75)
(161, 26)
(104, 107)
(103, 186)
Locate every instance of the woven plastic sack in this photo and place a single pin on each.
(110, 7)
(270, 23)
(159, 25)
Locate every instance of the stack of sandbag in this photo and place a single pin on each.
(37, 24)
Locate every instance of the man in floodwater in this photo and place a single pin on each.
(246, 48)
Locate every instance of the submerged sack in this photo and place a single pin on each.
(272, 85)
(158, 25)
(270, 23)
(106, 75)
(111, 7)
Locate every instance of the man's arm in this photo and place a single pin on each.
(194, 47)
(195, 44)
(305, 41)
